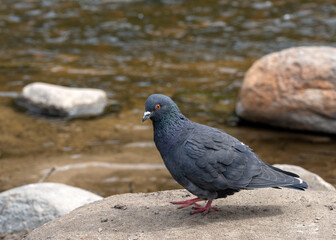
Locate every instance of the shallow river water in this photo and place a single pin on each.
(197, 52)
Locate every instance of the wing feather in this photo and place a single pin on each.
(217, 161)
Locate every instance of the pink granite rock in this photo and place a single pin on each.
(294, 88)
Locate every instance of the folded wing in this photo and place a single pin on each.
(215, 161)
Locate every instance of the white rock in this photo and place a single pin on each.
(62, 101)
(314, 181)
(32, 205)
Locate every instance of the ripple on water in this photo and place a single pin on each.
(141, 144)
(117, 166)
(9, 94)
(116, 179)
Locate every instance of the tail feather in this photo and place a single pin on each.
(283, 171)
(274, 177)
(301, 186)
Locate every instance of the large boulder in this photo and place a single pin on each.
(294, 88)
(32, 205)
(256, 214)
(54, 100)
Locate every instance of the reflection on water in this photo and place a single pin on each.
(195, 51)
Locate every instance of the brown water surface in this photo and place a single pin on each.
(195, 51)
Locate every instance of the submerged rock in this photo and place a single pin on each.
(54, 100)
(32, 205)
(294, 88)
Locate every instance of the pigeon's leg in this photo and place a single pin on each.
(205, 209)
(188, 202)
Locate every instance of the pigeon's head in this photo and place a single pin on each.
(158, 107)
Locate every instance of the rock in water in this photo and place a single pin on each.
(206, 161)
(32, 205)
(294, 88)
(54, 100)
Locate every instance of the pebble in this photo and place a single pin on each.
(103, 220)
(120, 206)
(329, 207)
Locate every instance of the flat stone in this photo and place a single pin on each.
(32, 205)
(54, 100)
(294, 88)
(256, 214)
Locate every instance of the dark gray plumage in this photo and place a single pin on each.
(206, 161)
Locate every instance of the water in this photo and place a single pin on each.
(195, 51)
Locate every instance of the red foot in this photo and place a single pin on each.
(197, 208)
(188, 202)
(205, 209)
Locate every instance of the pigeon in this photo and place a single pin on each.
(206, 161)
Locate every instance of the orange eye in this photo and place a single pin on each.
(158, 106)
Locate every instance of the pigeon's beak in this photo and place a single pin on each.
(146, 116)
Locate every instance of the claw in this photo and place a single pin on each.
(205, 209)
(188, 202)
(196, 208)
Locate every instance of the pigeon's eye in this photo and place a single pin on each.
(158, 106)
